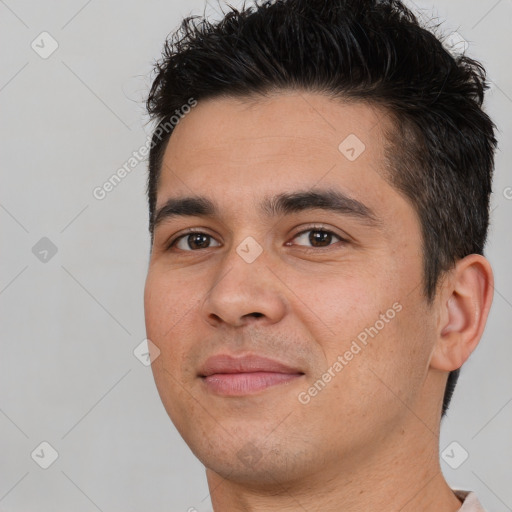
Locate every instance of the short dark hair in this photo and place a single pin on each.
(440, 154)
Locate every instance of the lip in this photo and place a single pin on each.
(225, 374)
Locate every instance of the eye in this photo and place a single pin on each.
(317, 237)
(193, 240)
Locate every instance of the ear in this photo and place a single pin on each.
(463, 306)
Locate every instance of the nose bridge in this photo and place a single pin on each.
(244, 286)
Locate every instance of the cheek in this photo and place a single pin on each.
(168, 305)
(371, 317)
(167, 299)
(394, 363)
(337, 307)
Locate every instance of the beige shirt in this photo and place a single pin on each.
(470, 501)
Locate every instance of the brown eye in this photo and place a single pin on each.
(192, 241)
(318, 237)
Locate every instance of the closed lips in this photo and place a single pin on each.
(226, 363)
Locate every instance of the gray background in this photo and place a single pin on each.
(70, 321)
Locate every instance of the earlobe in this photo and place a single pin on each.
(464, 305)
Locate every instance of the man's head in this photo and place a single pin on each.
(301, 102)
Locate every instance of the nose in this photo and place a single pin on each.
(243, 293)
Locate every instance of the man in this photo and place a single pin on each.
(317, 277)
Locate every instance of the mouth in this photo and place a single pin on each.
(226, 375)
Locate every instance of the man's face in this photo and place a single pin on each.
(307, 287)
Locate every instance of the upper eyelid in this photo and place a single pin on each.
(318, 228)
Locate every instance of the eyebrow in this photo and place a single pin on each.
(285, 203)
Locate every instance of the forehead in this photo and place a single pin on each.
(256, 147)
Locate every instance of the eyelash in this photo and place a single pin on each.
(173, 243)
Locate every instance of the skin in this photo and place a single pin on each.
(369, 440)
